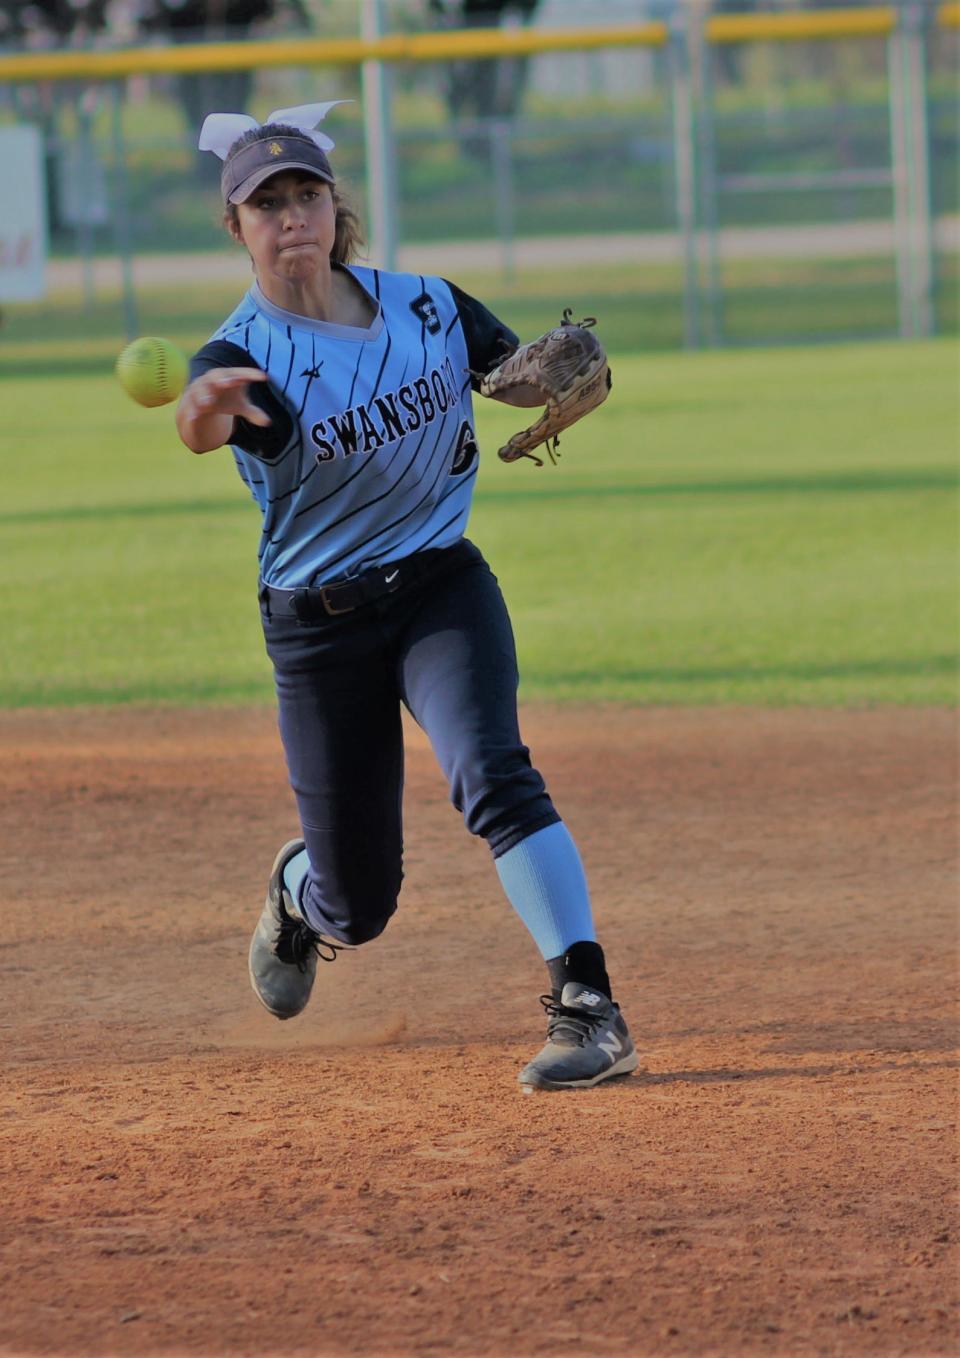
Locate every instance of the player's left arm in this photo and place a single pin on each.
(489, 341)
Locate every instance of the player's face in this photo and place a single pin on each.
(288, 225)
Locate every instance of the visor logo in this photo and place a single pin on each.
(275, 148)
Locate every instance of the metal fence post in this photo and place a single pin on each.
(685, 177)
(909, 147)
(901, 189)
(83, 227)
(121, 214)
(502, 166)
(707, 188)
(380, 144)
(918, 162)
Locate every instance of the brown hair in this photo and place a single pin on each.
(349, 236)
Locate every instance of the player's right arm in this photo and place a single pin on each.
(231, 400)
(212, 402)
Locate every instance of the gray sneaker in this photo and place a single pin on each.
(587, 1041)
(284, 949)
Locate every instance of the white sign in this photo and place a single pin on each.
(23, 215)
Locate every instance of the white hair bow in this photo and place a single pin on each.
(221, 130)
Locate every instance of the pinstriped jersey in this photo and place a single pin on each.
(371, 454)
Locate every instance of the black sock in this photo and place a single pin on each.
(582, 962)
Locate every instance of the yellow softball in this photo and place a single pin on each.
(153, 371)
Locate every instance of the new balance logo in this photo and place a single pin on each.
(588, 997)
(611, 1046)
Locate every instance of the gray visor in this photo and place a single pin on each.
(247, 168)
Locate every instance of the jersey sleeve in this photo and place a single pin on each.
(266, 444)
(488, 339)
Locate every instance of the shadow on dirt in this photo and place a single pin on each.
(730, 1076)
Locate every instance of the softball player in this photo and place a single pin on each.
(345, 395)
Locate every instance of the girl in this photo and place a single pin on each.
(345, 394)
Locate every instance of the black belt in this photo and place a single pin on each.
(310, 602)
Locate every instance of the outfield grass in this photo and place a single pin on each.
(772, 527)
(640, 308)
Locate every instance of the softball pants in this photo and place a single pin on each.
(442, 645)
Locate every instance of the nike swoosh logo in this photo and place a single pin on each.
(389, 579)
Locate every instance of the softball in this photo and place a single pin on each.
(153, 371)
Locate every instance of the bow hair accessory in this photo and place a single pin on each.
(221, 130)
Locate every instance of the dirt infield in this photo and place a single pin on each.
(184, 1175)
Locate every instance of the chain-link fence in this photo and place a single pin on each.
(739, 192)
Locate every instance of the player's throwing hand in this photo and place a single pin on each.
(213, 401)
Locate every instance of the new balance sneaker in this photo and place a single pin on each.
(587, 1041)
(284, 949)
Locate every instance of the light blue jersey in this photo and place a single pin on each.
(372, 453)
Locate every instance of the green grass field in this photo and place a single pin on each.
(769, 527)
(640, 308)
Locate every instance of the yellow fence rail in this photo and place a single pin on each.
(471, 43)
(841, 23)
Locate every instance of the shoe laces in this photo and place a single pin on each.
(296, 941)
(573, 1027)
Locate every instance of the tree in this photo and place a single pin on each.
(489, 88)
(60, 18)
(214, 20)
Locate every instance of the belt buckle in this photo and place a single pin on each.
(328, 606)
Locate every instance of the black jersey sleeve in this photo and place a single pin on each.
(488, 339)
(269, 443)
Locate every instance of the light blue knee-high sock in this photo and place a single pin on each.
(295, 879)
(546, 885)
(294, 871)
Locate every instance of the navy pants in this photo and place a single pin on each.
(442, 645)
